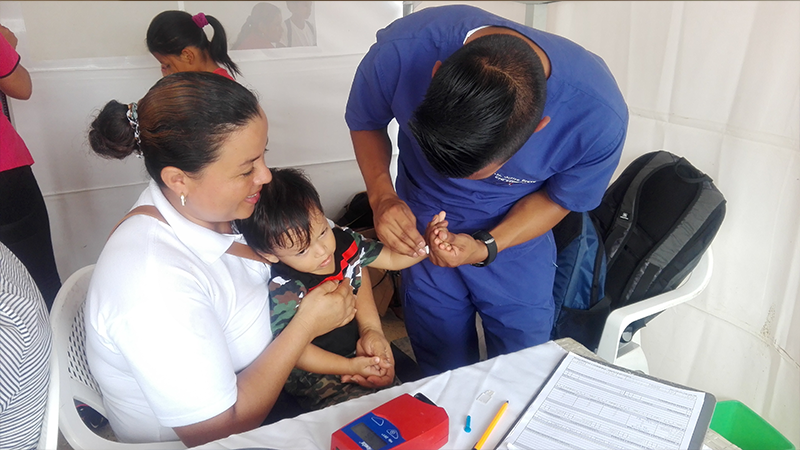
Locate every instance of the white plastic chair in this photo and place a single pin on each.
(630, 354)
(74, 379)
(48, 439)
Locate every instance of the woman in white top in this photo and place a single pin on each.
(178, 334)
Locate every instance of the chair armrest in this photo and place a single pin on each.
(620, 318)
(48, 438)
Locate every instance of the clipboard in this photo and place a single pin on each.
(586, 403)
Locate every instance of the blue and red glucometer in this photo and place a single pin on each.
(403, 423)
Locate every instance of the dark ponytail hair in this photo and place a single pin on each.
(172, 31)
(183, 121)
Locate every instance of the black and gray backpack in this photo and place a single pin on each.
(655, 221)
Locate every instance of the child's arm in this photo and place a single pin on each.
(372, 342)
(317, 360)
(389, 260)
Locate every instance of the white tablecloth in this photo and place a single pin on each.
(515, 377)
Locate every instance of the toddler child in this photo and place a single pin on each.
(290, 230)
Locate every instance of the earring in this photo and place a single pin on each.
(183, 200)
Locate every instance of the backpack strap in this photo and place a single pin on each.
(236, 249)
(626, 213)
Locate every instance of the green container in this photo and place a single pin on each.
(744, 428)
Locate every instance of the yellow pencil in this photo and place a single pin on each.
(491, 426)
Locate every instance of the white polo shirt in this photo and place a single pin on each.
(170, 319)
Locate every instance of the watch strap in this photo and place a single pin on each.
(491, 246)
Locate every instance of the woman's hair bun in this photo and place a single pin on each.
(111, 134)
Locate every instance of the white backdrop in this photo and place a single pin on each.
(719, 83)
(83, 54)
(716, 82)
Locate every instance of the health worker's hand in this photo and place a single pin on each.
(396, 226)
(452, 250)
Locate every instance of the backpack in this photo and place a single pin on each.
(579, 287)
(656, 221)
(357, 213)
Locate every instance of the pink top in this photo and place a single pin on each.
(224, 73)
(13, 152)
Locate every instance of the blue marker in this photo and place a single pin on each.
(466, 427)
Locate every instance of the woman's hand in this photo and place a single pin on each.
(373, 343)
(329, 306)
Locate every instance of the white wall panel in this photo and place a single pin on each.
(83, 54)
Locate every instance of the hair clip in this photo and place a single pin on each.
(133, 119)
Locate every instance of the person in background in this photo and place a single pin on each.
(505, 128)
(177, 40)
(299, 32)
(24, 223)
(25, 341)
(177, 330)
(262, 29)
(289, 229)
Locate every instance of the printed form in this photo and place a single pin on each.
(588, 405)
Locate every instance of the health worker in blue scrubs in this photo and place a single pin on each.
(506, 129)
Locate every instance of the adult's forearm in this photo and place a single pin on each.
(373, 151)
(18, 84)
(367, 314)
(531, 217)
(258, 387)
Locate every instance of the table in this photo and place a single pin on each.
(514, 377)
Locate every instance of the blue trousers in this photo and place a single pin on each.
(513, 295)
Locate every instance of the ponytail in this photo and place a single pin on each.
(218, 47)
(111, 134)
(172, 31)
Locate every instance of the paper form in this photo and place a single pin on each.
(587, 405)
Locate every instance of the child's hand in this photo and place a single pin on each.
(373, 344)
(436, 233)
(365, 366)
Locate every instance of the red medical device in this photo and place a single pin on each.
(403, 423)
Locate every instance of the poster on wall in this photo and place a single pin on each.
(268, 26)
(111, 34)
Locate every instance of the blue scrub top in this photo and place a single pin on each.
(573, 157)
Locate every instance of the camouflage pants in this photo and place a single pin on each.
(315, 391)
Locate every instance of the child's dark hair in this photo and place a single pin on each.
(172, 31)
(283, 213)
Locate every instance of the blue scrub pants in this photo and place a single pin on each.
(513, 295)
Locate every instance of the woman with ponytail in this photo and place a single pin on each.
(177, 40)
(177, 323)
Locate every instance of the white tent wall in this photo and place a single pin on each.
(716, 82)
(83, 54)
(719, 83)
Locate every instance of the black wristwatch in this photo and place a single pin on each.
(491, 246)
